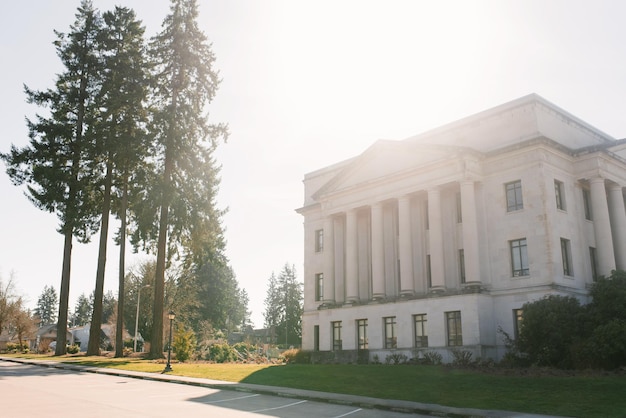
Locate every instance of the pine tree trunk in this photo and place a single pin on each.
(119, 338)
(156, 345)
(64, 295)
(93, 348)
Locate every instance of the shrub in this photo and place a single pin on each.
(222, 353)
(609, 298)
(245, 350)
(17, 347)
(606, 347)
(551, 326)
(432, 358)
(396, 358)
(296, 356)
(44, 346)
(462, 358)
(558, 332)
(73, 349)
(289, 356)
(184, 344)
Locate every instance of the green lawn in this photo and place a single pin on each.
(592, 395)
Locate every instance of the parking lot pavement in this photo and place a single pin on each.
(283, 402)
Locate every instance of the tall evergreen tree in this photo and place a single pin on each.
(218, 294)
(283, 306)
(274, 303)
(82, 311)
(54, 166)
(120, 141)
(185, 83)
(243, 314)
(47, 305)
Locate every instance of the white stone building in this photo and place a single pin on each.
(434, 242)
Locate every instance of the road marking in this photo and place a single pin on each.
(349, 413)
(232, 399)
(278, 407)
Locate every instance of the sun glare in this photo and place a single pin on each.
(345, 64)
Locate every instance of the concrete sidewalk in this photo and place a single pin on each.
(353, 400)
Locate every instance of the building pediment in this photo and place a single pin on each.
(384, 160)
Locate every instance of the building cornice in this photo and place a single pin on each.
(530, 100)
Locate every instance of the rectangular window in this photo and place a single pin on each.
(459, 209)
(559, 194)
(587, 204)
(462, 265)
(429, 277)
(421, 335)
(454, 329)
(514, 196)
(594, 263)
(398, 276)
(319, 240)
(519, 257)
(336, 335)
(319, 287)
(391, 339)
(517, 322)
(566, 257)
(361, 329)
(316, 338)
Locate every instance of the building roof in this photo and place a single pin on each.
(529, 118)
(525, 118)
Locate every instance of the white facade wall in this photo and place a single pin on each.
(398, 219)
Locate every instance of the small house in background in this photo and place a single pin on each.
(46, 335)
(259, 337)
(107, 336)
(5, 338)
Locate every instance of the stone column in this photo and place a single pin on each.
(378, 262)
(435, 222)
(340, 258)
(329, 261)
(352, 266)
(470, 232)
(602, 227)
(618, 223)
(407, 286)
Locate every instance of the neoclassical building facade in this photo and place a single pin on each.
(435, 242)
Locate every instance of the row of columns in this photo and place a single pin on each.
(609, 219)
(332, 268)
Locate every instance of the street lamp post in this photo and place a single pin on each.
(137, 316)
(168, 366)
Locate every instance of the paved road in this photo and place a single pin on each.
(31, 391)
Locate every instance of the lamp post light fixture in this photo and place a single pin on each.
(137, 315)
(168, 366)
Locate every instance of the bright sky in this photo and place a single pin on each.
(310, 83)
